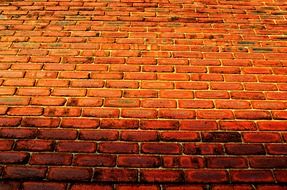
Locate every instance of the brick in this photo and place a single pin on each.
(275, 187)
(251, 176)
(87, 83)
(118, 147)
(183, 187)
(244, 149)
(227, 162)
(226, 86)
(139, 161)
(14, 157)
(76, 146)
(232, 104)
(238, 125)
(260, 87)
(280, 176)
(253, 115)
(276, 95)
(179, 136)
(43, 185)
(79, 123)
(158, 103)
(101, 113)
(62, 112)
(68, 92)
(134, 136)
(52, 83)
(50, 159)
(212, 95)
(261, 137)
(34, 145)
(232, 187)
(221, 137)
(199, 125)
(48, 101)
(269, 105)
(95, 160)
(28, 111)
(183, 162)
(122, 84)
(176, 94)
(248, 95)
(195, 104)
(99, 135)
(137, 187)
(18, 133)
(161, 176)
(140, 94)
(267, 162)
(57, 134)
(103, 76)
(7, 91)
(104, 93)
(138, 113)
(116, 102)
(161, 148)
(14, 100)
(276, 149)
(24, 172)
(214, 114)
(119, 124)
(159, 124)
(6, 145)
(206, 176)
(70, 173)
(40, 122)
(279, 114)
(156, 85)
(115, 175)
(91, 187)
(272, 125)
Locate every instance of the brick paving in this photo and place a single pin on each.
(143, 94)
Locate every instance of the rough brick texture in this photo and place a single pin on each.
(143, 94)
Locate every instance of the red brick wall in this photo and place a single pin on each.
(143, 94)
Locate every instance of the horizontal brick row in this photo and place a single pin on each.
(150, 176)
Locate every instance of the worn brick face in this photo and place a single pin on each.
(143, 95)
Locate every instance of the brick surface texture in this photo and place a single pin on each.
(143, 94)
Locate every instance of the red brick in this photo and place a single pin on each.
(214, 114)
(156, 85)
(159, 124)
(179, 136)
(41, 74)
(248, 95)
(104, 93)
(52, 83)
(76, 146)
(99, 135)
(203, 104)
(40, 122)
(115, 175)
(232, 187)
(101, 113)
(118, 147)
(79, 123)
(57, 134)
(117, 102)
(161, 148)
(91, 187)
(212, 95)
(29, 111)
(279, 114)
(62, 112)
(69, 173)
(176, 94)
(238, 125)
(14, 100)
(252, 115)
(200, 125)
(274, 187)
(87, 83)
(139, 161)
(95, 160)
(267, 162)
(24, 172)
(280, 175)
(227, 162)
(122, 84)
(34, 145)
(83, 102)
(276, 148)
(206, 176)
(183, 162)
(9, 121)
(18, 133)
(251, 176)
(43, 185)
(50, 159)
(232, 104)
(261, 137)
(276, 95)
(161, 176)
(221, 137)
(6, 145)
(139, 113)
(14, 157)
(137, 187)
(119, 124)
(244, 149)
(69, 92)
(139, 137)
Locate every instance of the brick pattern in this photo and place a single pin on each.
(141, 94)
